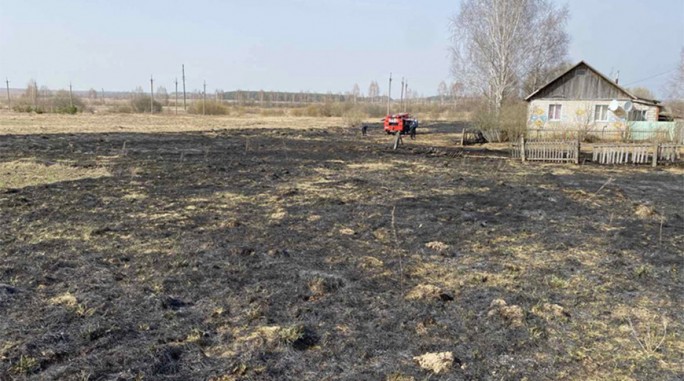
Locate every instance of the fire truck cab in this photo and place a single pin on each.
(398, 123)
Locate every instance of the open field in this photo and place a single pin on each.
(154, 247)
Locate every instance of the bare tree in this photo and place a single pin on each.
(456, 91)
(675, 89)
(92, 95)
(442, 91)
(373, 91)
(162, 95)
(356, 92)
(32, 92)
(497, 44)
(540, 76)
(642, 92)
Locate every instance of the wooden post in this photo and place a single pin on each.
(176, 95)
(577, 150)
(9, 100)
(389, 94)
(655, 155)
(522, 148)
(397, 140)
(401, 103)
(71, 96)
(185, 107)
(151, 95)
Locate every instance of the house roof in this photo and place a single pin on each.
(617, 86)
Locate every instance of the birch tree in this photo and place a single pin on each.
(675, 89)
(442, 91)
(373, 91)
(497, 44)
(356, 92)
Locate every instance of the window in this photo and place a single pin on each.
(555, 112)
(637, 115)
(601, 113)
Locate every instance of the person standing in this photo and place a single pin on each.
(364, 130)
(412, 129)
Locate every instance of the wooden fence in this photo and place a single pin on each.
(623, 153)
(669, 152)
(635, 153)
(560, 151)
(568, 151)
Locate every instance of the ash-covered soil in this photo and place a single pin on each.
(321, 255)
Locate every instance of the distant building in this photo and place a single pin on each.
(581, 98)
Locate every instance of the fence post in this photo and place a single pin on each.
(577, 150)
(655, 155)
(522, 148)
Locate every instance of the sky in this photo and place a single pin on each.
(298, 45)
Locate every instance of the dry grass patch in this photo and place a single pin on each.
(512, 315)
(438, 363)
(24, 173)
(100, 123)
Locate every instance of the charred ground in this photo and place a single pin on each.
(312, 254)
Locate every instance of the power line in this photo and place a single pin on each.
(651, 77)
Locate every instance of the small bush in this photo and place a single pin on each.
(510, 124)
(353, 117)
(297, 112)
(272, 112)
(141, 103)
(121, 108)
(209, 107)
(22, 107)
(63, 103)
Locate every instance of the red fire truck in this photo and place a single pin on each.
(398, 123)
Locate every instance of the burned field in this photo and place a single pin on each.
(315, 254)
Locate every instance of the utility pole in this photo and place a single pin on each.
(389, 95)
(176, 96)
(204, 97)
(151, 94)
(9, 101)
(406, 97)
(401, 103)
(185, 107)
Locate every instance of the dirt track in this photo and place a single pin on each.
(273, 254)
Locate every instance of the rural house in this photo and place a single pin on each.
(584, 99)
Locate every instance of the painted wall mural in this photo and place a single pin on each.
(616, 121)
(538, 117)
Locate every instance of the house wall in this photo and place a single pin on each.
(579, 115)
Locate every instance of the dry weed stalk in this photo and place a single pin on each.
(610, 180)
(650, 343)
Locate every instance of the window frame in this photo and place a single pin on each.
(641, 113)
(558, 110)
(603, 113)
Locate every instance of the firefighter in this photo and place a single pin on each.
(412, 129)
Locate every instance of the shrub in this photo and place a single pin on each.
(63, 103)
(353, 117)
(272, 112)
(509, 124)
(209, 107)
(21, 106)
(141, 103)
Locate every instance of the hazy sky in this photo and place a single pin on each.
(293, 45)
